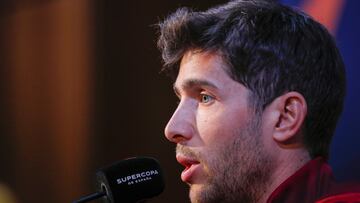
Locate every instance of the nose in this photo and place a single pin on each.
(180, 127)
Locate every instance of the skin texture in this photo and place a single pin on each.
(232, 152)
(218, 134)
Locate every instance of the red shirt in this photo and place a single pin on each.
(314, 182)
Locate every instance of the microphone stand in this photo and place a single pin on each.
(90, 197)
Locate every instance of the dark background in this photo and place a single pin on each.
(80, 88)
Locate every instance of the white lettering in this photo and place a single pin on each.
(137, 177)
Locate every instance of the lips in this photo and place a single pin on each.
(191, 166)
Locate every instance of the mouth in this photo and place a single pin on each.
(191, 166)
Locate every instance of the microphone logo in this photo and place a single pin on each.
(137, 177)
(128, 181)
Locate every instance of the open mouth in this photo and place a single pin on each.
(191, 166)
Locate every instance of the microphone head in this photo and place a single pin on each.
(131, 180)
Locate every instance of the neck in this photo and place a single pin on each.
(284, 166)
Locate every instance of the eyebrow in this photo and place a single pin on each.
(191, 83)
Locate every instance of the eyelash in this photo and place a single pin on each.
(202, 96)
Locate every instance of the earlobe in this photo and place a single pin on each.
(292, 110)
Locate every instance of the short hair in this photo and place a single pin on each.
(271, 49)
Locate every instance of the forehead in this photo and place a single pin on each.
(208, 67)
(201, 61)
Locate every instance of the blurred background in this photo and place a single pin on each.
(80, 88)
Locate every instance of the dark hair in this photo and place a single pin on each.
(271, 49)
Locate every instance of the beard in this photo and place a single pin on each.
(237, 171)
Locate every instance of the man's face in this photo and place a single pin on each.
(218, 136)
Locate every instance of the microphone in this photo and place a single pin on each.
(128, 181)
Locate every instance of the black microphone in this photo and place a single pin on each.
(128, 181)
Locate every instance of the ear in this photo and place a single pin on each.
(291, 110)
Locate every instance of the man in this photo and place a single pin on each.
(261, 87)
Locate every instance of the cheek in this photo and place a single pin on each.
(217, 124)
(209, 122)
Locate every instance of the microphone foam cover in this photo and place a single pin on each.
(131, 180)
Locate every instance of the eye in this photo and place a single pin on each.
(204, 98)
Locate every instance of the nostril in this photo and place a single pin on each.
(177, 138)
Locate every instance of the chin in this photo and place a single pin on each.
(195, 193)
(200, 193)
